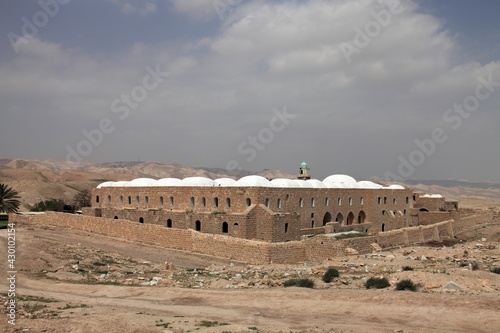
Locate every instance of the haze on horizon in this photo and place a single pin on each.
(407, 88)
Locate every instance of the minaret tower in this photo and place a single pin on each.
(304, 172)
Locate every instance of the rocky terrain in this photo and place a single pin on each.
(73, 281)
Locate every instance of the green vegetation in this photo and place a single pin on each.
(9, 202)
(407, 268)
(377, 283)
(207, 323)
(53, 205)
(406, 284)
(496, 270)
(160, 323)
(303, 283)
(347, 236)
(330, 274)
(83, 198)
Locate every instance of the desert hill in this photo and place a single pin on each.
(38, 180)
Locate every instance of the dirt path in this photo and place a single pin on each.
(112, 308)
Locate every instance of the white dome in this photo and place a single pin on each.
(304, 183)
(224, 182)
(333, 185)
(168, 182)
(196, 181)
(426, 196)
(105, 184)
(348, 181)
(283, 182)
(121, 183)
(316, 183)
(396, 187)
(140, 182)
(253, 181)
(369, 185)
(436, 196)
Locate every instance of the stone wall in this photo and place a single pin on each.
(426, 218)
(468, 221)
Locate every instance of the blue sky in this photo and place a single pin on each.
(256, 84)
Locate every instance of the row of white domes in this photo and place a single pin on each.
(334, 181)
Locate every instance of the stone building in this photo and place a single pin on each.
(277, 210)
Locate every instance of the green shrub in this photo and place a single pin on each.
(406, 284)
(496, 270)
(407, 268)
(377, 283)
(304, 283)
(330, 274)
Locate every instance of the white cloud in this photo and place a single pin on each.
(198, 9)
(135, 6)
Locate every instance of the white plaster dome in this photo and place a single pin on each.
(196, 181)
(253, 181)
(224, 182)
(105, 184)
(304, 183)
(141, 182)
(283, 182)
(121, 183)
(395, 187)
(316, 183)
(168, 182)
(369, 185)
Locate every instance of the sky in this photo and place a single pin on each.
(389, 89)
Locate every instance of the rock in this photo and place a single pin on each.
(375, 247)
(391, 256)
(452, 285)
(423, 258)
(75, 267)
(350, 251)
(74, 261)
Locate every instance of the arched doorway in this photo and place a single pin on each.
(169, 223)
(116, 217)
(141, 220)
(197, 225)
(350, 218)
(225, 228)
(339, 218)
(327, 218)
(361, 217)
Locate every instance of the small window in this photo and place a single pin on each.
(407, 200)
(203, 202)
(312, 215)
(129, 200)
(141, 220)
(327, 202)
(414, 198)
(161, 201)
(146, 200)
(393, 201)
(385, 200)
(248, 202)
(225, 228)
(109, 199)
(137, 201)
(116, 217)
(378, 200)
(350, 201)
(287, 197)
(236, 228)
(169, 223)
(171, 200)
(198, 225)
(267, 202)
(228, 202)
(339, 201)
(191, 202)
(301, 202)
(278, 204)
(361, 201)
(96, 198)
(216, 202)
(121, 199)
(313, 202)
(286, 228)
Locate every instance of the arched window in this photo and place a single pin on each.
(350, 201)
(169, 223)
(96, 198)
(236, 228)
(327, 202)
(361, 201)
(267, 202)
(137, 201)
(129, 200)
(161, 201)
(141, 220)
(378, 200)
(407, 200)
(313, 202)
(197, 225)
(191, 202)
(361, 217)
(286, 228)
(350, 218)
(171, 200)
(278, 204)
(109, 199)
(383, 227)
(225, 228)
(146, 200)
(385, 200)
(393, 201)
(121, 199)
(248, 202)
(339, 218)
(301, 202)
(116, 217)
(339, 201)
(228, 202)
(203, 202)
(216, 202)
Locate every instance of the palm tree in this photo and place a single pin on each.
(8, 199)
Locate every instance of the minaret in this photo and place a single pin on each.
(304, 172)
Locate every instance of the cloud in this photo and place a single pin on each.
(198, 9)
(129, 7)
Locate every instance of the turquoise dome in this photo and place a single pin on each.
(303, 165)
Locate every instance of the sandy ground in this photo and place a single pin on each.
(72, 281)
